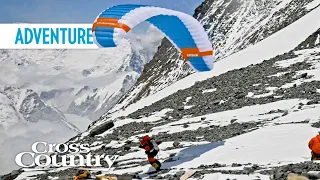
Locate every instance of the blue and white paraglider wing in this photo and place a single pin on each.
(182, 30)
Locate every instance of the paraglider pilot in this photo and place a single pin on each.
(150, 145)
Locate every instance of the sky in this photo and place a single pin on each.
(75, 11)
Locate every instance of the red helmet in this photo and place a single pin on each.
(145, 139)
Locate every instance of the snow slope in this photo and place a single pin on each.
(278, 43)
(8, 115)
(251, 139)
(242, 143)
(231, 25)
(268, 146)
(65, 89)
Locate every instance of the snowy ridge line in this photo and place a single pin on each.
(281, 42)
(232, 26)
(71, 87)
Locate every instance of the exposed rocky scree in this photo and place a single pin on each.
(276, 173)
(256, 74)
(232, 23)
(233, 87)
(172, 67)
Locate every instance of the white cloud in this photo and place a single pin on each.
(20, 137)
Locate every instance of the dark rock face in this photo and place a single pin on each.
(101, 129)
(13, 175)
(276, 173)
(281, 173)
(32, 108)
(234, 86)
(85, 108)
(93, 105)
(49, 94)
(219, 18)
(160, 66)
(232, 90)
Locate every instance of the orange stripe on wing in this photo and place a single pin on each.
(194, 52)
(115, 20)
(110, 22)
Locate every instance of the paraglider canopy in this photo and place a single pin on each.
(182, 30)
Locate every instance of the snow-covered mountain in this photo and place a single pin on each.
(81, 82)
(26, 105)
(249, 118)
(61, 91)
(232, 25)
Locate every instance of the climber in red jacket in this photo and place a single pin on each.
(314, 146)
(150, 145)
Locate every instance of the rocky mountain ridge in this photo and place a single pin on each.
(233, 125)
(232, 26)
